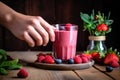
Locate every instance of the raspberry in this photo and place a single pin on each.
(40, 54)
(41, 58)
(68, 26)
(84, 59)
(22, 73)
(77, 60)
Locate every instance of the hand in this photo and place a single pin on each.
(32, 29)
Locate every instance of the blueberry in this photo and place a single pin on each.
(70, 61)
(109, 68)
(58, 61)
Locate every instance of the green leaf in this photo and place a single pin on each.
(3, 71)
(9, 63)
(3, 55)
(85, 18)
(97, 33)
(109, 30)
(15, 66)
(108, 22)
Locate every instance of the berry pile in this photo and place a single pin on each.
(48, 58)
(111, 59)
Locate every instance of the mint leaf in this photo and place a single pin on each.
(15, 66)
(85, 18)
(3, 55)
(9, 63)
(3, 71)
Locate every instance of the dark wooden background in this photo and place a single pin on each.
(62, 11)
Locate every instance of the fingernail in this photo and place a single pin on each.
(44, 44)
(31, 45)
(53, 40)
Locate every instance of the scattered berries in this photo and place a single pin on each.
(22, 73)
(78, 59)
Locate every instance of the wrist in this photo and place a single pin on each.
(8, 19)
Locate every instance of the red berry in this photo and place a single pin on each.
(114, 64)
(102, 27)
(40, 54)
(22, 73)
(96, 57)
(110, 57)
(94, 54)
(89, 56)
(78, 55)
(84, 59)
(77, 60)
(41, 58)
(68, 26)
(49, 59)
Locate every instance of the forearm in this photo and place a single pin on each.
(6, 15)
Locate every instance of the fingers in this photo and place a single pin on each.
(48, 28)
(41, 31)
(28, 39)
(35, 35)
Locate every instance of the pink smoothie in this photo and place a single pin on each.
(65, 44)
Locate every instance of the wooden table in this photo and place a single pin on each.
(96, 72)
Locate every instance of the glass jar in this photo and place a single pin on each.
(97, 44)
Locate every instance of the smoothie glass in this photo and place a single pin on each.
(64, 46)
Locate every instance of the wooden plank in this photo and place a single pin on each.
(39, 74)
(92, 74)
(115, 74)
(85, 74)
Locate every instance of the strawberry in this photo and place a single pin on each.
(110, 57)
(114, 64)
(77, 60)
(48, 59)
(93, 54)
(96, 57)
(22, 73)
(89, 56)
(102, 27)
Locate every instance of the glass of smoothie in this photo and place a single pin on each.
(64, 46)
